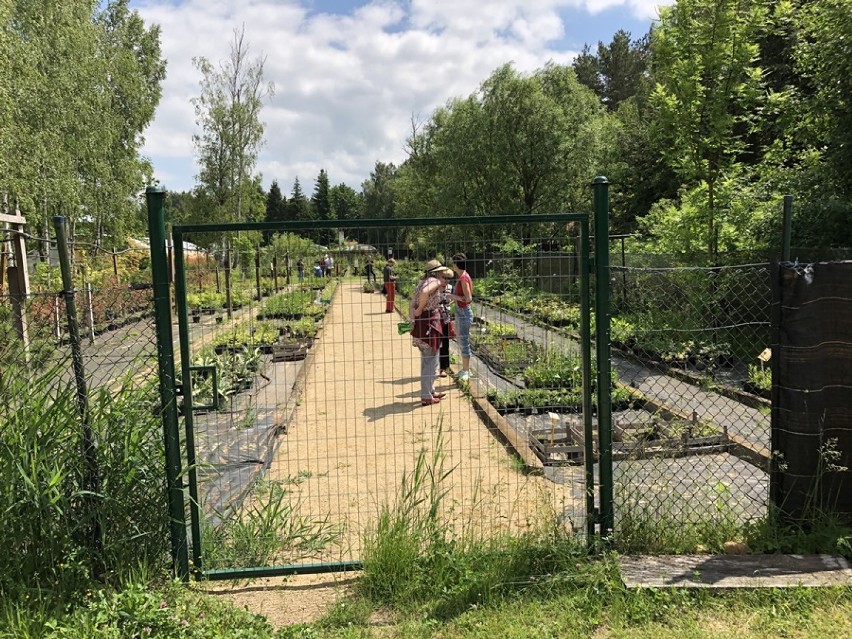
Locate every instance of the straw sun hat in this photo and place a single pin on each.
(433, 266)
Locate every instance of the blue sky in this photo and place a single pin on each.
(351, 76)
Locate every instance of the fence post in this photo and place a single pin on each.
(228, 299)
(275, 273)
(602, 344)
(18, 276)
(586, 355)
(155, 198)
(91, 313)
(92, 479)
(788, 228)
(257, 272)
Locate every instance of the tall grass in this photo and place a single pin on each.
(413, 559)
(268, 528)
(48, 511)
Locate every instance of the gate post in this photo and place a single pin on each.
(787, 224)
(602, 346)
(586, 354)
(155, 198)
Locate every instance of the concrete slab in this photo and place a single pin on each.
(734, 571)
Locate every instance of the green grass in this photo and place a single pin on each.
(420, 578)
(584, 598)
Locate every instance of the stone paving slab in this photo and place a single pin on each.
(735, 571)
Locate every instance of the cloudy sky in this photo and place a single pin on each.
(349, 76)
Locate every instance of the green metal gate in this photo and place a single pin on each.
(298, 389)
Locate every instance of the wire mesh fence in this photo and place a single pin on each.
(322, 415)
(309, 416)
(114, 318)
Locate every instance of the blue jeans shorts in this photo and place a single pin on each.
(464, 320)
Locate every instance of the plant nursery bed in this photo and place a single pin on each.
(508, 354)
(637, 434)
(263, 347)
(743, 392)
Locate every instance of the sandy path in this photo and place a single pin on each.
(358, 430)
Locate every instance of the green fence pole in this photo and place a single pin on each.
(188, 410)
(155, 197)
(788, 228)
(586, 355)
(92, 478)
(602, 341)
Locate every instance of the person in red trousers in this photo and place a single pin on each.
(389, 280)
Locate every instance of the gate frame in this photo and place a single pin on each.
(170, 389)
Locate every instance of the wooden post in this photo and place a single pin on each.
(257, 272)
(19, 279)
(91, 312)
(275, 272)
(4, 251)
(5, 247)
(228, 302)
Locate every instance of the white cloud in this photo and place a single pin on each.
(641, 9)
(348, 85)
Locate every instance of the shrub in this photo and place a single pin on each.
(53, 502)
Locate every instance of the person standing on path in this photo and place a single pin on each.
(462, 295)
(300, 265)
(368, 269)
(446, 322)
(426, 329)
(389, 279)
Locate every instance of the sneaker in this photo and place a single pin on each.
(439, 395)
(464, 376)
(430, 401)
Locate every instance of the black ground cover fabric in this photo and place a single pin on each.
(812, 388)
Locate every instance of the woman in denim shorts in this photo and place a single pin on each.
(463, 295)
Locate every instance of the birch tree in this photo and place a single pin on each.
(228, 114)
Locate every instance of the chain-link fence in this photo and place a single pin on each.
(112, 309)
(694, 344)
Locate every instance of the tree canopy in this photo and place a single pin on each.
(702, 125)
(79, 83)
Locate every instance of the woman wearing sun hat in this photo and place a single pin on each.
(446, 321)
(426, 330)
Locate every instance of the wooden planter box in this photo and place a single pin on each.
(564, 441)
(290, 351)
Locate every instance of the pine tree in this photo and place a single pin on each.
(321, 205)
(276, 206)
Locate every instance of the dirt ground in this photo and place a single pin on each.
(286, 600)
(358, 431)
